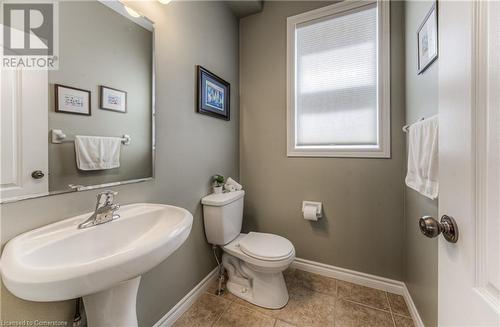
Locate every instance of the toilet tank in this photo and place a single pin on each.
(222, 216)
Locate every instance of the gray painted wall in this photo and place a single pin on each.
(190, 149)
(363, 198)
(115, 52)
(421, 260)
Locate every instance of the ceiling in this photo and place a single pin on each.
(243, 8)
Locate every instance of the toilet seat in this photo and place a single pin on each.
(267, 247)
(234, 249)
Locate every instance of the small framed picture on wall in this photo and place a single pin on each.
(71, 100)
(213, 95)
(427, 38)
(113, 99)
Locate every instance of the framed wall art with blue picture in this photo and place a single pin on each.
(213, 94)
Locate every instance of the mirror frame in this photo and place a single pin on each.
(145, 22)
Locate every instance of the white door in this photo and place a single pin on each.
(469, 161)
(24, 133)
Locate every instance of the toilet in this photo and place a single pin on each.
(255, 261)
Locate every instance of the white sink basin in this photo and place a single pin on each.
(60, 261)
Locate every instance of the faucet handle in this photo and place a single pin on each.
(108, 192)
(109, 196)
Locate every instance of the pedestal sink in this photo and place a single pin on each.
(103, 264)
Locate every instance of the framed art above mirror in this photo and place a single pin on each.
(90, 123)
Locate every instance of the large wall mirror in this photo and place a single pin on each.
(89, 123)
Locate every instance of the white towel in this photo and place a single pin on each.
(231, 185)
(97, 153)
(422, 174)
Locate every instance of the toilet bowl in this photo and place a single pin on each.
(255, 261)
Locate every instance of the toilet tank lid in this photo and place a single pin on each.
(221, 199)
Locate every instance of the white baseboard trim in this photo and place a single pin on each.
(183, 305)
(413, 309)
(368, 280)
(380, 283)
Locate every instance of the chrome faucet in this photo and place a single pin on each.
(104, 212)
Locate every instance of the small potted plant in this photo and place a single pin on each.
(218, 183)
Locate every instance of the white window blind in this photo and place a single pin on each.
(335, 81)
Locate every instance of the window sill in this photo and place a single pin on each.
(340, 153)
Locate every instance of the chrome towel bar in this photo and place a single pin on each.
(59, 137)
(406, 127)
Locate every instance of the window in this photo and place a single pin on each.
(338, 81)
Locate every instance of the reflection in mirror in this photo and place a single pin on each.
(93, 123)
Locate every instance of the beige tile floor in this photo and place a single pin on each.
(314, 301)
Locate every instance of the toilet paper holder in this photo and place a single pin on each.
(317, 205)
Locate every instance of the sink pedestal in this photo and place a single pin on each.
(115, 307)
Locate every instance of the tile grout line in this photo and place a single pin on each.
(336, 302)
(389, 310)
(403, 316)
(397, 313)
(390, 307)
(220, 316)
(249, 308)
(223, 311)
(366, 305)
(337, 298)
(257, 311)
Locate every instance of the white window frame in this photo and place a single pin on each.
(383, 147)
